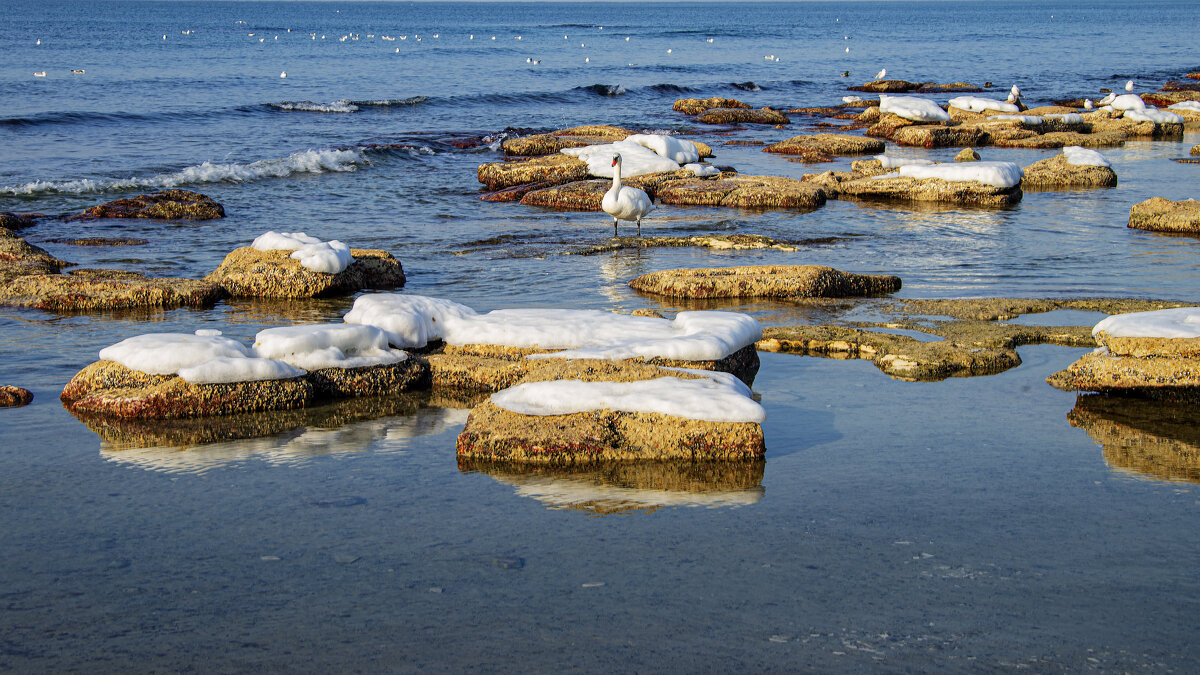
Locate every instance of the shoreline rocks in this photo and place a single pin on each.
(737, 190)
(695, 106)
(14, 397)
(822, 147)
(765, 281)
(1058, 173)
(165, 205)
(1163, 215)
(249, 272)
(743, 116)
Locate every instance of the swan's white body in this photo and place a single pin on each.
(623, 202)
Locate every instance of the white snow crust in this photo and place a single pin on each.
(1066, 118)
(1180, 322)
(1185, 105)
(636, 160)
(1153, 115)
(407, 320)
(167, 353)
(913, 108)
(225, 369)
(897, 162)
(283, 241)
(980, 104)
(328, 257)
(1023, 119)
(1080, 156)
(702, 170)
(674, 149)
(1128, 102)
(339, 345)
(999, 174)
(706, 400)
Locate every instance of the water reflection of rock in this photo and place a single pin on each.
(1155, 439)
(196, 445)
(622, 487)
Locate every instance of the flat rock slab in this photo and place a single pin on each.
(248, 272)
(695, 106)
(906, 189)
(19, 258)
(743, 116)
(1058, 139)
(574, 137)
(1057, 173)
(1163, 215)
(940, 136)
(555, 168)
(165, 205)
(764, 281)
(829, 144)
(15, 221)
(1147, 347)
(743, 191)
(106, 290)
(1166, 378)
(587, 195)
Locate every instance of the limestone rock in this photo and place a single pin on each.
(105, 290)
(409, 374)
(829, 144)
(586, 195)
(764, 281)
(15, 221)
(743, 116)
(887, 86)
(575, 137)
(14, 397)
(967, 155)
(1163, 215)
(743, 191)
(165, 205)
(248, 272)
(1166, 378)
(907, 189)
(110, 389)
(19, 258)
(1195, 150)
(695, 106)
(1145, 347)
(1058, 139)
(555, 169)
(940, 136)
(1057, 173)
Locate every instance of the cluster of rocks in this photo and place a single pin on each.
(764, 281)
(717, 110)
(904, 87)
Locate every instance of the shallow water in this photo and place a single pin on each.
(895, 526)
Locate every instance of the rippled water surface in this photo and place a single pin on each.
(988, 523)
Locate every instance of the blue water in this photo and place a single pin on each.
(897, 526)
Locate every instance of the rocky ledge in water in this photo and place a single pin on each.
(904, 86)
(695, 106)
(722, 242)
(249, 272)
(495, 433)
(1058, 173)
(19, 258)
(165, 205)
(743, 116)
(1158, 439)
(908, 189)
(89, 290)
(14, 397)
(546, 170)
(109, 389)
(15, 221)
(764, 281)
(1158, 214)
(737, 190)
(823, 147)
(574, 137)
(586, 195)
(905, 344)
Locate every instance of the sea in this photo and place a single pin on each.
(962, 525)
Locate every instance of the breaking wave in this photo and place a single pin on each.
(342, 106)
(603, 89)
(305, 161)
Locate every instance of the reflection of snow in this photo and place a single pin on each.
(585, 493)
(386, 434)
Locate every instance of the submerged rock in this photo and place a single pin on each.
(165, 205)
(1163, 215)
(743, 116)
(15, 221)
(19, 258)
(743, 191)
(695, 106)
(827, 144)
(1057, 173)
(14, 397)
(249, 272)
(764, 281)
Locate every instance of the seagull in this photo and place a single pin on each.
(623, 202)
(881, 74)
(1016, 91)
(39, 41)
(587, 59)
(1087, 104)
(1129, 86)
(847, 50)
(283, 74)
(78, 71)
(40, 73)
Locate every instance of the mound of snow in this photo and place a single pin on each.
(238, 369)
(1153, 115)
(897, 162)
(339, 345)
(979, 104)
(407, 320)
(636, 160)
(1080, 156)
(913, 108)
(329, 257)
(704, 399)
(1023, 119)
(167, 353)
(999, 174)
(1185, 105)
(1065, 118)
(674, 149)
(1181, 322)
(1128, 102)
(702, 170)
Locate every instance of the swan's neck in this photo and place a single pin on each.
(617, 176)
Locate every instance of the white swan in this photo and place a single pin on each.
(625, 203)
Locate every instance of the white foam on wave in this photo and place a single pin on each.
(342, 106)
(304, 161)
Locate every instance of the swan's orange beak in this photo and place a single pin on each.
(614, 161)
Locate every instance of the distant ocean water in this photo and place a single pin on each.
(897, 526)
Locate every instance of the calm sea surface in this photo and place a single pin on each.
(897, 527)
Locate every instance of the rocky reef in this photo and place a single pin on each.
(764, 281)
(1158, 214)
(249, 272)
(165, 205)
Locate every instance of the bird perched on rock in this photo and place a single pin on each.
(623, 202)
(881, 74)
(1016, 91)
(1087, 104)
(1129, 85)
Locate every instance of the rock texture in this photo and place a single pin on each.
(106, 290)
(1163, 215)
(586, 195)
(554, 169)
(764, 281)
(165, 205)
(14, 397)
(248, 272)
(737, 190)
(742, 116)
(929, 190)
(827, 144)
(575, 137)
(967, 155)
(1057, 173)
(695, 106)
(15, 221)
(1160, 377)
